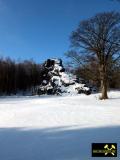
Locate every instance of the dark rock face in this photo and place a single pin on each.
(57, 82)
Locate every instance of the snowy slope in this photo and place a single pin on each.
(57, 128)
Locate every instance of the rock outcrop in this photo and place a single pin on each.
(58, 82)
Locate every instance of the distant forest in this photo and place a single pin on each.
(24, 77)
(18, 77)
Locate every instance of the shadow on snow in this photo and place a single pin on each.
(54, 143)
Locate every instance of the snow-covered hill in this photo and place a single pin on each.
(57, 128)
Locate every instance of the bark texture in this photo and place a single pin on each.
(104, 81)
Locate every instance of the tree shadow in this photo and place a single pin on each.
(62, 143)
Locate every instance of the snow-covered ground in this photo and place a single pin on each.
(57, 128)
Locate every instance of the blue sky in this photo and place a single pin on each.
(40, 29)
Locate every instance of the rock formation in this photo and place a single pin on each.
(58, 82)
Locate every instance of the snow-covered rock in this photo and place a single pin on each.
(57, 81)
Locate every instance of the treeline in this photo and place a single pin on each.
(87, 68)
(19, 77)
(90, 73)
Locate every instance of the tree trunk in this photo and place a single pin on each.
(103, 79)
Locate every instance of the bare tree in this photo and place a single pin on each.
(99, 36)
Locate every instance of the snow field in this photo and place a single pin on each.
(57, 128)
